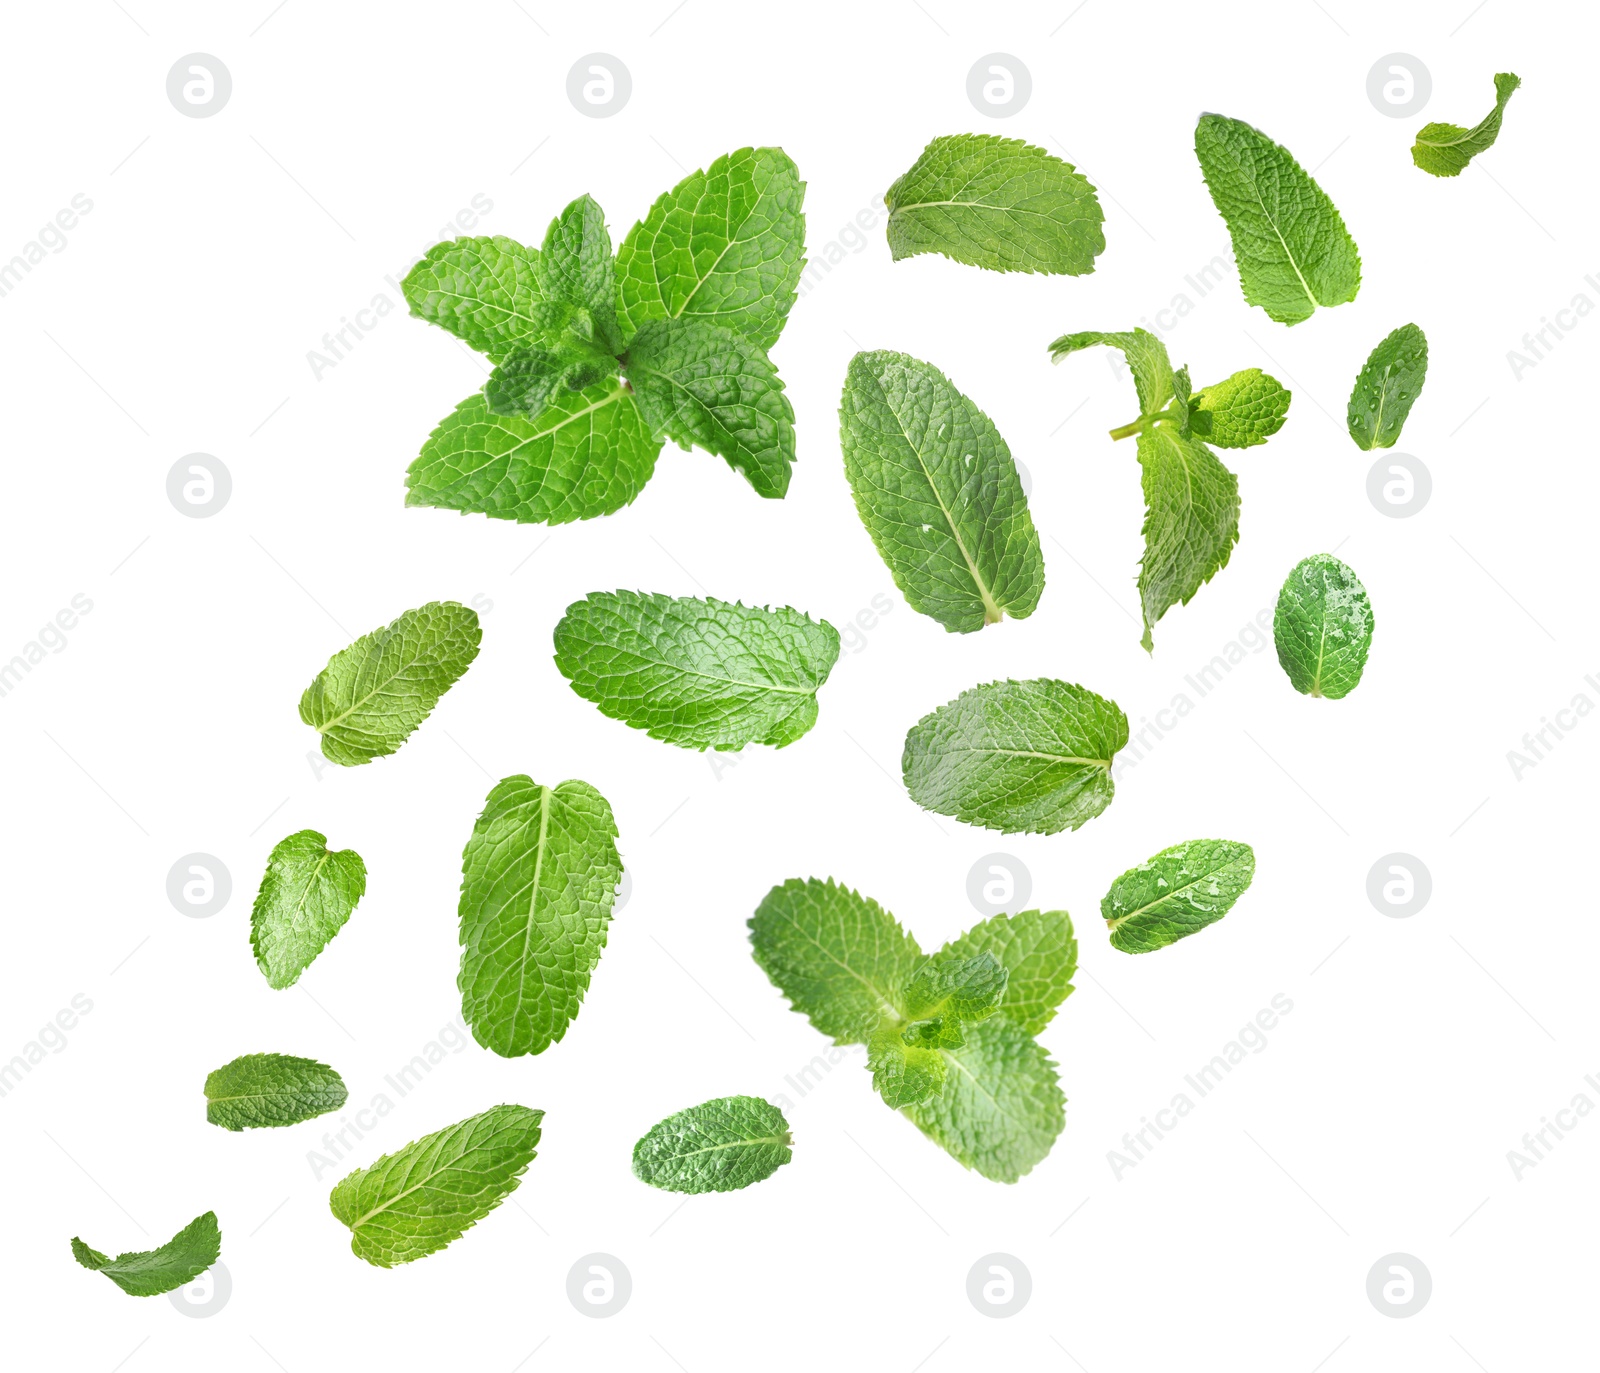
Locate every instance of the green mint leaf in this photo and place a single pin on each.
(576, 271)
(1323, 627)
(485, 291)
(967, 988)
(839, 957)
(306, 895)
(697, 673)
(1445, 149)
(1191, 520)
(1293, 250)
(1246, 409)
(1039, 953)
(1180, 890)
(258, 1090)
(904, 1074)
(704, 385)
(415, 1201)
(372, 695)
(1028, 756)
(936, 487)
(725, 245)
(718, 1146)
(1153, 378)
(527, 380)
(181, 1260)
(1387, 388)
(538, 877)
(589, 453)
(998, 203)
(1001, 1108)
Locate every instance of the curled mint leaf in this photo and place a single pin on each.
(415, 1201)
(1387, 388)
(257, 1090)
(717, 1146)
(577, 275)
(180, 1260)
(1445, 149)
(905, 1073)
(306, 895)
(997, 203)
(1323, 627)
(697, 673)
(1039, 954)
(1241, 411)
(1293, 250)
(1180, 890)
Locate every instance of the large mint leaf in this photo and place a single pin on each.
(839, 957)
(485, 291)
(258, 1090)
(704, 385)
(1323, 627)
(725, 245)
(180, 1260)
(588, 453)
(1241, 411)
(697, 673)
(1029, 756)
(1180, 890)
(1147, 360)
(936, 487)
(1387, 387)
(1445, 149)
(1293, 250)
(718, 1146)
(1001, 1107)
(413, 1202)
(1040, 956)
(998, 203)
(306, 895)
(538, 879)
(372, 695)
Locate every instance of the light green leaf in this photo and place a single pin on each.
(258, 1090)
(1387, 388)
(576, 271)
(306, 895)
(1445, 149)
(1293, 250)
(414, 1202)
(725, 245)
(1040, 956)
(1001, 1108)
(936, 487)
(589, 453)
(718, 1146)
(703, 385)
(180, 1260)
(1323, 627)
(1147, 360)
(1029, 756)
(903, 1074)
(839, 957)
(485, 291)
(998, 203)
(697, 673)
(372, 695)
(538, 878)
(1246, 409)
(966, 988)
(1180, 890)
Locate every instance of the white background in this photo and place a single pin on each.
(1377, 1119)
